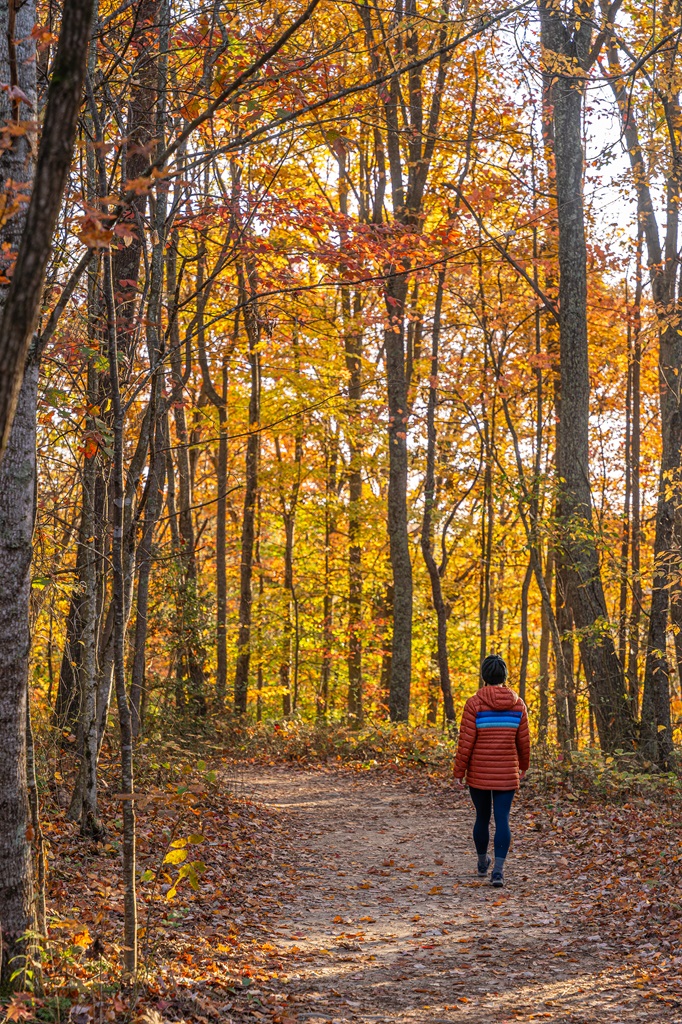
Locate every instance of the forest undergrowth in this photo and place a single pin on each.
(218, 869)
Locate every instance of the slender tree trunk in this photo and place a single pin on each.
(248, 284)
(191, 658)
(37, 838)
(486, 534)
(354, 698)
(221, 551)
(543, 679)
(352, 337)
(401, 564)
(353, 342)
(155, 488)
(385, 610)
(564, 681)
(627, 501)
(84, 806)
(119, 629)
(436, 572)
(287, 625)
(636, 605)
(525, 639)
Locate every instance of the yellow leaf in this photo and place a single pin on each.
(175, 857)
(82, 939)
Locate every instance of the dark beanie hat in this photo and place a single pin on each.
(494, 670)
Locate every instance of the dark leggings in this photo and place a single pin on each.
(500, 802)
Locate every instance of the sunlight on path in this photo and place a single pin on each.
(390, 922)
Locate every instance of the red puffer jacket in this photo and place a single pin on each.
(494, 741)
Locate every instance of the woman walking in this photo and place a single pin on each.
(493, 753)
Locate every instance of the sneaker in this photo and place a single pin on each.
(483, 871)
(497, 879)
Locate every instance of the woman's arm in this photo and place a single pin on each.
(523, 742)
(467, 738)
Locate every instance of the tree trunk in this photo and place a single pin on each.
(563, 681)
(354, 696)
(525, 639)
(543, 678)
(17, 505)
(401, 564)
(353, 344)
(636, 605)
(248, 287)
(84, 806)
(600, 659)
(221, 552)
(191, 679)
(118, 641)
(29, 233)
(155, 487)
(436, 572)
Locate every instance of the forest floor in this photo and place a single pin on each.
(389, 921)
(349, 896)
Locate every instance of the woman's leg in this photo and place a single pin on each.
(502, 801)
(482, 801)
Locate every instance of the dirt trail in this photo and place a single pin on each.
(390, 923)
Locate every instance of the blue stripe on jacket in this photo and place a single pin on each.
(498, 719)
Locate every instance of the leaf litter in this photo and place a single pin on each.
(333, 895)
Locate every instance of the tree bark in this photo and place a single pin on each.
(118, 640)
(191, 681)
(155, 488)
(17, 504)
(248, 287)
(656, 725)
(525, 639)
(579, 551)
(22, 302)
(401, 564)
(354, 695)
(435, 571)
(543, 677)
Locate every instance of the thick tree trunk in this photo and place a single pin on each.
(17, 505)
(663, 262)
(35, 227)
(602, 668)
